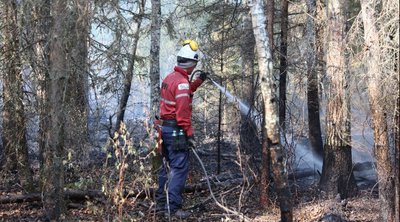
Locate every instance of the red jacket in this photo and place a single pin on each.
(176, 98)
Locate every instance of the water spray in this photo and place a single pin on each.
(243, 108)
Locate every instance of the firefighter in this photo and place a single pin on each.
(177, 132)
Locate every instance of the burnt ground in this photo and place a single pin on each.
(233, 190)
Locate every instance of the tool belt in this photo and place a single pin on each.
(179, 141)
(169, 122)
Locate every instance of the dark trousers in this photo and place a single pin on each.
(174, 178)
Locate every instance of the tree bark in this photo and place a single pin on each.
(14, 123)
(9, 50)
(130, 72)
(155, 57)
(155, 72)
(314, 124)
(36, 44)
(39, 62)
(269, 11)
(397, 159)
(283, 64)
(320, 40)
(337, 176)
(76, 106)
(271, 116)
(375, 83)
(220, 100)
(54, 152)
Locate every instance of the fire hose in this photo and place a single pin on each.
(212, 193)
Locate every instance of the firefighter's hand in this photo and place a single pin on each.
(191, 142)
(203, 75)
(157, 123)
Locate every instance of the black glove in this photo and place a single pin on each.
(203, 75)
(191, 142)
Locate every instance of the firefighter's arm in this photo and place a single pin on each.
(197, 82)
(183, 107)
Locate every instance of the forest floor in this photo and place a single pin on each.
(243, 197)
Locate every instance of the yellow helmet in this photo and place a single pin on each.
(193, 44)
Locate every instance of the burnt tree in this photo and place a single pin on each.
(337, 176)
(378, 109)
(314, 124)
(283, 64)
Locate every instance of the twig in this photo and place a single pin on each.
(241, 216)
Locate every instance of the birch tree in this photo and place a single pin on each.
(372, 63)
(337, 176)
(249, 139)
(271, 116)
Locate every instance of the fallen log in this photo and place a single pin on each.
(73, 195)
(221, 182)
(20, 198)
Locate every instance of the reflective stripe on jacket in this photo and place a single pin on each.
(176, 98)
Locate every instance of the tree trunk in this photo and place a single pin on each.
(265, 172)
(397, 159)
(283, 65)
(375, 82)
(155, 73)
(53, 172)
(337, 176)
(130, 72)
(314, 125)
(271, 116)
(269, 10)
(320, 42)
(10, 67)
(220, 101)
(35, 41)
(155, 58)
(249, 139)
(14, 123)
(76, 106)
(40, 65)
